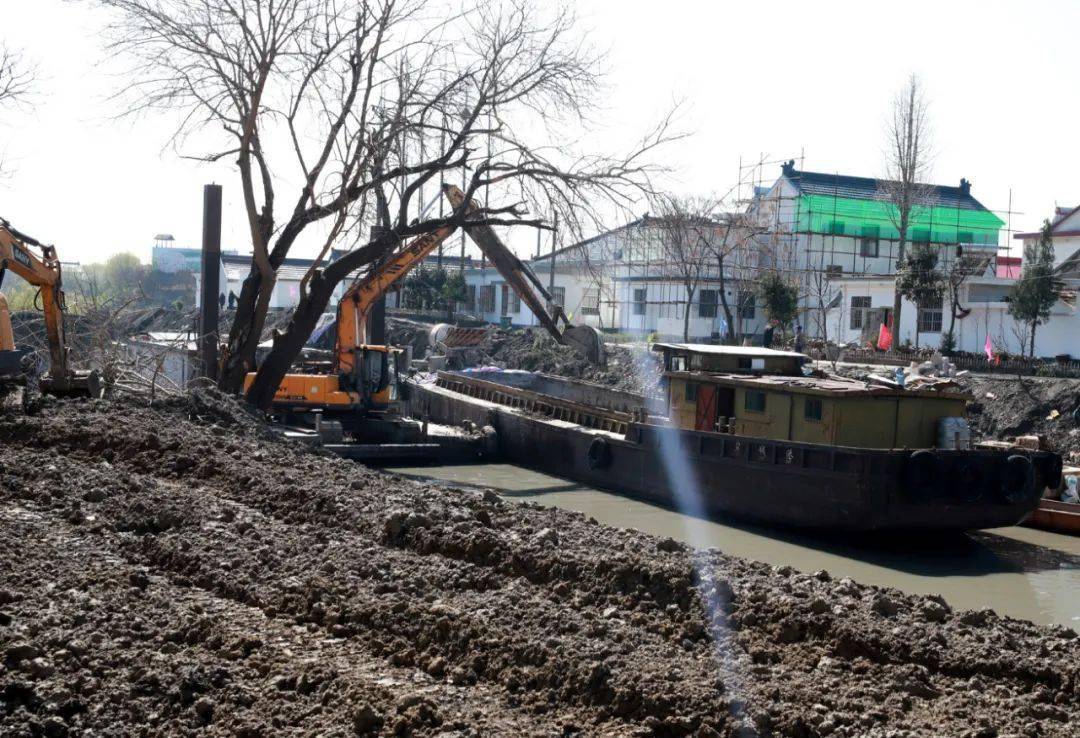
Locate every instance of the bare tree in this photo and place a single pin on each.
(16, 76)
(733, 246)
(689, 228)
(907, 163)
(822, 296)
(369, 102)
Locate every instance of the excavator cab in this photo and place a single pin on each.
(377, 375)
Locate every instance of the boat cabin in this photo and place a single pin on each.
(763, 393)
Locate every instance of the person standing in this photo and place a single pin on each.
(767, 336)
(800, 341)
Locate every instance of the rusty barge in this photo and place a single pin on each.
(743, 433)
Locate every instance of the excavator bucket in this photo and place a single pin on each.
(587, 341)
(76, 384)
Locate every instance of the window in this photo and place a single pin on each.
(812, 409)
(754, 401)
(470, 297)
(965, 237)
(835, 227)
(487, 298)
(691, 392)
(834, 270)
(639, 300)
(868, 247)
(590, 303)
(747, 305)
(511, 303)
(558, 296)
(707, 301)
(920, 235)
(860, 306)
(930, 317)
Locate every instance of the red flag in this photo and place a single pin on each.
(884, 338)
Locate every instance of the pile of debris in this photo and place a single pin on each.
(1007, 407)
(173, 568)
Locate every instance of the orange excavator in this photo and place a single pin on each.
(39, 265)
(358, 387)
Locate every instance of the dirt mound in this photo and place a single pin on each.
(630, 369)
(1003, 407)
(172, 568)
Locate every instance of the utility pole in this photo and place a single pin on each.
(211, 282)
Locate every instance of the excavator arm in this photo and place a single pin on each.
(585, 339)
(43, 272)
(356, 303)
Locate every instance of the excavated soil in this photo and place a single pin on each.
(631, 368)
(175, 570)
(1003, 407)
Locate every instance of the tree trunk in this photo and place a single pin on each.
(686, 315)
(730, 337)
(287, 345)
(1033, 326)
(952, 322)
(238, 359)
(897, 297)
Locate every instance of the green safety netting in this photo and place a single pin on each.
(875, 218)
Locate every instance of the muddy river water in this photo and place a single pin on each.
(1020, 572)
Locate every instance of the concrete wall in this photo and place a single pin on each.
(988, 316)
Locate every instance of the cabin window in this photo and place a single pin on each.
(691, 391)
(812, 408)
(754, 401)
(678, 363)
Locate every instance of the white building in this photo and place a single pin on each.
(984, 311)
(1065, 232)
(839, 225)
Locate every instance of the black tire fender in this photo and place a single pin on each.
(599, 453)
(1017, 479)
(966, 481)
(922, 468)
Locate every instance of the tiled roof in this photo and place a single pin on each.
(1070, 268)
(869, 188)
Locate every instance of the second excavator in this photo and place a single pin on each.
(356, 391)
(38, 264)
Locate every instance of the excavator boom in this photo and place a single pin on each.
(356, 303)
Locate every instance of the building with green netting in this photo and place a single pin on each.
(840, 224)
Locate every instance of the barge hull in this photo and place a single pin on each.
(710, 474)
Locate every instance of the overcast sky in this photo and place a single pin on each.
(779, 79)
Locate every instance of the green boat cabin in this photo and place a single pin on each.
(763, 393)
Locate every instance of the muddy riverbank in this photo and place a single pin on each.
(1020, 572)
(172, 570)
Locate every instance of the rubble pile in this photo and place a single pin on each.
(1005, 407)
(175, 568)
